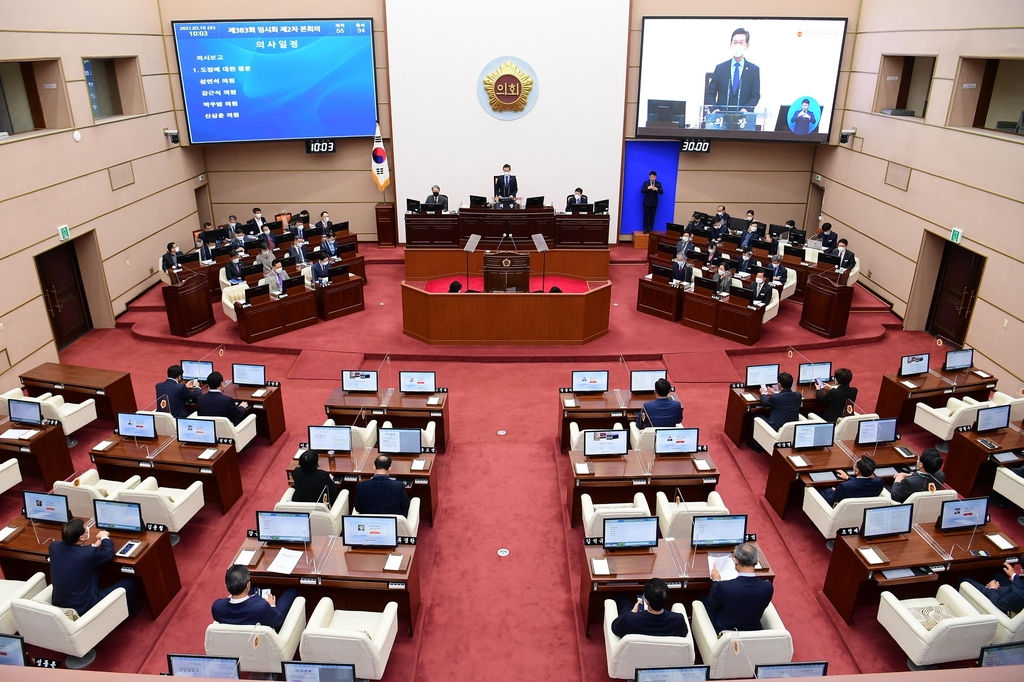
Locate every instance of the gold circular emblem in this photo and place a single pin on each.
(508, 88)
(506, 262)
(163, 403)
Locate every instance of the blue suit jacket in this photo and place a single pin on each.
(738, 604)
(329, 247)
(785, 408)
(253, 610)
(748, 239)
(780, 272)
(177, 395)
(382, 495)
(1008, 598)
(75, 574)
(718, 90)
(854, 487)
(216, 404)
(320, 270)
(829, 240)
(660, 412)
(745, 265)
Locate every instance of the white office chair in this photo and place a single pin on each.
(223, 279)
(676, 518)
(362, 436)
(259, 649)
(364, 638)
(1007, 629)
(595, 514)
(10, 474)
(408, 525)
(854, 272)
(165, 275)
(166, 425)
(999, 398)
(1010, 486)
(241, 434)
(88, 486)
(789, 288)
(323, 520)
(767, 437)
(171, 507)
(626, 654)
(44, 625)
(72, 416)
(576, 435)
(17, 394)
(956, 638)
(849, 512)
(771, 644)
(17, 589)
(231, 294)
(771, 310)
(846, 427)
(643, 439)
(942, 422)
(927, 504)
(427, 435)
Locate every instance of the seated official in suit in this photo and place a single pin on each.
(723, 279)
(232, 224)
(927, 477)
(204, 250)
(176, 393)
(233, 269)
(662, 411)
(773, 243)
(246, 606)
(298, 251)
(835, 399)
(681, 270)
(275, 279)
(237, 242)
(266, 259)
(785, 402)
(827, 237)
(684, 247)
(846, 259)
(578, 197)
(863, 485)
(736, 82)
(779, 273)
(719, 229)
(75, 570)
(1005, 590)
(325, 223)
(713, 254)
(297, 228)
(311, 482)
(746, 262)
(694, 224)
(322, 268)
(382, 494)
(749, 237)
(738, 604)
(722, 215)
(267, 237)
(330, 246)
(762, 291)
(506, 186)
(257, 218)
(436, 198)
(169, 260)
(655, 619)
(750, 215)
(213, 403)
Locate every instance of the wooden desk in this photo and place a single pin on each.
(564, 231)
(175, 466)
(342, 296)
(111, 390)
(211, 272)
(683, 568)
(655, 296)
(275, 316)
(618, 479)
(44, 456)
(786, 481)
(406, 411)
(426, 264)
(851, 580)
(600, 411)
(355, 580)
(895, 399)
(152, 566)
(733, 320)
(967, 457)
(350, 469)
(268, 408)
(740, 412)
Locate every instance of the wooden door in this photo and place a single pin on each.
(64, 294)
(814, 200)
(956, 290)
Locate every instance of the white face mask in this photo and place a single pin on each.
(259, 215)
(508, 174)
(760, 280)
(277, 271)
(177, 249)
(719, 213)
(842, 248)
(746, 256)
(234, 260)
(738, 50)
(578, 197)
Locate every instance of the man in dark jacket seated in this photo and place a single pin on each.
(382, 494)
(649, 615)
(835, 399)
(927, 477)
(662, 411)
(864, 485)
(75, 570)
(246, 606)
(1005, 590)
(738, 604)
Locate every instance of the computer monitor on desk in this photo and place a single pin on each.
(719, 531)
(119, 516)
(398, 441)
(197, 431)
(337, 271)
(605, 443)
(477, 202)
(256, 292)
(636, 532)
(664, 271)
(296, 282)
(369, 532)
(812, 436)
(25, 412)
(876, 431)
(958, 360)
(795, 252)
(534, 202)
(741, 292)
(581, 208)
(137, 426)
(993, 419)
(762, 375)
(302, 671)
(590, 382)
(797, 237)
(207, 667)
(963, 514)
(685, 673)
(780, 671)
(886, 522)
(417, 382)
(810, 372)
(196, 370)
(359, 381)
(249, 375)
(601, 207)
(675, 441)
(12, 651)
(1002, 654)
(283, 527)
(828, 258)
(330, 439)
(46, 507)
(412, 206)
(643, 380)
(912, 365)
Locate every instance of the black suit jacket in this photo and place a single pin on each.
(780, 272)
(233, 270)
(297, 251)
(329, 227)
(828, 240)
(205, 253)
(682, 271)
(311, 487)
(237, 243)
(719, 92)
(650, 195)
(258, 223)
(572, 201)
(766, 292)
(501, 189)
(441, 199)
(664, 624)
(835, 400)
(167, 261)
(785, 408)
(803, 124)
(326, 247)
(320, 271)
(75, 574)
(847, 261)
(177, 397)
(684, 248)
(738, 604)
(745, 265)
(915, 483)
(382, 495)
(216, 404)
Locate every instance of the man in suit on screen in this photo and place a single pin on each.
(737, 82)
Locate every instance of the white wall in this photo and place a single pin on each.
(571, 138)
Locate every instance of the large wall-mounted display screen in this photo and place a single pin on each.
(755, 78)
(248, 81)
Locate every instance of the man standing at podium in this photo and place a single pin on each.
(506, 186)
(651, 189)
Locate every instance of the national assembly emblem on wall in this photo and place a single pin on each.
(507, 88)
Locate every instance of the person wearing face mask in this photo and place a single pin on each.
(578, 197)
(436, 198)
(266, 259)
(684, 247)
(325, 223)
(693, 225)
(779, 272)
(505, 185)
(233, 270)
(723, 279)
(750, 216)
(321, 269)
(736, 83)
(298, 250)
(232, 224)
(846, 260)
(746, 262)
(238, 241)
(257, 218)
(276, 277)
(773, 243)
(749, 237)
(205, 252)
(268, 237)
(762, 292)
(169, 261)
(297, 227)
(713, 255)
(681, 270)
(827, 237)
(720, 214)
(330, 246)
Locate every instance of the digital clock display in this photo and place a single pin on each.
(320, 147)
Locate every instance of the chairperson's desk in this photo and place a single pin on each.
(152, 566)
(174, 465)
(611, 480)
(899, 399)
(851, 579)
(354, 579)
(601, 411)
(403, 410)
(348, 470)
(446, 230)
(682, 567)
(44, 455)
(111, 390)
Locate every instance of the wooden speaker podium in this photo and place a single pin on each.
(827, 301)
(506, 271)
(189, 310)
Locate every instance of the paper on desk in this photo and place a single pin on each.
(797, 460)
(208, 453)
(245, 557)
(749, 398)
(260, 393)
(102, 445)
(701, 464)
(285, 561)
(724, 564)
(6, 531)
(870, 556)
(16, 434)
(419, 464)
(983, 375)
(569, 402)
(434, 400)
(582, 468)
(298, 453)
(650, 276)
(394, 562)
(909, 384)
(999, 541)
(601, 567)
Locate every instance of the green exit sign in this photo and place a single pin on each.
(63, 232)
(956, 235)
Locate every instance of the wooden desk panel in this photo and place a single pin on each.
(343, 296)
(403, 411)
(934, 388)
(44, 456)
(657, 297)
(700, 312)
(276, 316)
(424, 264)
(441, 230)
(740, 413)
(111, 390)
(269, 408)
(739, 323)
(968, 458)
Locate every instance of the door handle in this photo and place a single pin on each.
(56, 300)
(46, 299)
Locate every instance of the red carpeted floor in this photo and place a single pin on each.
(568, 285)
(484, 616)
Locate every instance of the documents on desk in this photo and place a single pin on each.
(582, 468)
(6, 531)
(798, 461)
(725, 565)
(750, 398)
(569, 402)
(102, 445)
(701, 464)
(999, 541)
(419, 465)
(394, 562)
(601, 567)
(909, 384)
(260, 393)
(434, 400)
(822, 476)
(285, 561)
(208, 453)
(245, 557)
(18, 434)
(871, 556)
